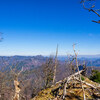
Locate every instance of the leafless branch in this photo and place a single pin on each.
(78, 71)
(20, 71)
(91, 8)
(55, 65)
(12, 70)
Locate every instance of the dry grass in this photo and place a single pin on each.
(72, 93)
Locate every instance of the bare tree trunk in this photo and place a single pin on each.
(80, 80)
(55, 65)
(79, 73)
(17, 90)
(16, 84)
(64, 90)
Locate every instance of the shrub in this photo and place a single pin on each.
(95, 76)
(82, 78)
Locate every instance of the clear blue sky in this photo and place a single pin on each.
(33, 27)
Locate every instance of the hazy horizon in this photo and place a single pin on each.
(86, 56)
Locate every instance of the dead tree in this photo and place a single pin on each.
(16, 84)
(70, 63)
(64, 89)
(72, 76)
(4, 80)
(91, 8)
(47, 72)
(55, 65)
(78, 72)
(84, 68)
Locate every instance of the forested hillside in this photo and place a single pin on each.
(36, 74)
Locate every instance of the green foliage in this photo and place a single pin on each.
(82, 78)
(95, 76)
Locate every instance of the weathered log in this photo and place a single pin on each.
(68, 78)
(87, 83)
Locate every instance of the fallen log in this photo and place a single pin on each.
(86, 83)
(68, 78)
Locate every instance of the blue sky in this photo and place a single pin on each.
(33, 27)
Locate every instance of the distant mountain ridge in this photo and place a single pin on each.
(31, 62)
(28, 62)
(90, 60)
